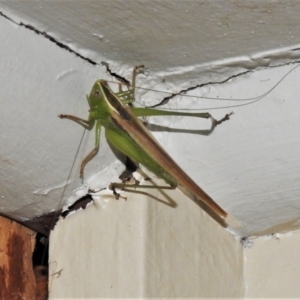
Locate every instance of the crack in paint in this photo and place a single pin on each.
(113, 74)
(50, 38)
(182, 92)
(122, 79)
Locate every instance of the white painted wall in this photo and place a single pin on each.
(146, 248)
(39, 81)
(272, 267)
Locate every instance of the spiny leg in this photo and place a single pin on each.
(127, 97)
(146, 112)
(217, 122)
(89, 157)
(92, 154)
(136, 71)
(86, 124)
(112, 186)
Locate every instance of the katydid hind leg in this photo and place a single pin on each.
(124, 186)
(117, 185)
(163, 197)
(147, 112)
(218, 122)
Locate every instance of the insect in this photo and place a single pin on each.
(126, 133)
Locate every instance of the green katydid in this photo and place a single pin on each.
(127, 134)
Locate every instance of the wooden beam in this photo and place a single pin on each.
(17, 278)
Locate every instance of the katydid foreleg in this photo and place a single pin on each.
(84, 123)
(87, 124)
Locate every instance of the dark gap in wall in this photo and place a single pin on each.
(41, 251)
(40, 258)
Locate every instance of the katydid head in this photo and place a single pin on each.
(99, 106)
(96, 95)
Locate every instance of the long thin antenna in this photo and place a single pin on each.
(62, 195)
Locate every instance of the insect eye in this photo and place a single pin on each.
(96, 93)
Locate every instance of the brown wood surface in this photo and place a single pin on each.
(17, 278)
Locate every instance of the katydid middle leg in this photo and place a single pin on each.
(94, 151)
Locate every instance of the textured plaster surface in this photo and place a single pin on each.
(182, 36)
(248, 165)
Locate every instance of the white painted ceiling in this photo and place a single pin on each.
(249, 165)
